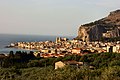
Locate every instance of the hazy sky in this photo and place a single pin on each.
(51, 17)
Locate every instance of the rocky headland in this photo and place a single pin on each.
(108, 27)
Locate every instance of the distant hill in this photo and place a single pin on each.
(108, 27)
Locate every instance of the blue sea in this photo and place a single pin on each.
(6, 39)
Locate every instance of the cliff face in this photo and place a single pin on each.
(108, 27)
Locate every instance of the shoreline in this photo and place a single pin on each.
(7, 50)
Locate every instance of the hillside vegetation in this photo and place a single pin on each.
(107, 67)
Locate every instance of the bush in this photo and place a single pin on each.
(111, 73)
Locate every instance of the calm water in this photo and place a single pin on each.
(6, 39)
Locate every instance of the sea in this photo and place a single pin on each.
(7, 39)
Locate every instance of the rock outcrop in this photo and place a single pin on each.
(108, 27)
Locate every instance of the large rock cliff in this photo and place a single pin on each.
(108, 27)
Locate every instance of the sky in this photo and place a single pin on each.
(51, 17)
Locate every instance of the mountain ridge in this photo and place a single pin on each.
(108, 27)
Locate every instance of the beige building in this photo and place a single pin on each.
(59, 64)
(76, 50)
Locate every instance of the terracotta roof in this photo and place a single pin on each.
(72, 62)
(77, 48)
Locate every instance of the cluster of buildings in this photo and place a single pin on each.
(62, 47)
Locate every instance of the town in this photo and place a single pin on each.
(62, 47)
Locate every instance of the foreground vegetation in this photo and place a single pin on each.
(107, 67)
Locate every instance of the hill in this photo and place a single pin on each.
(108, 27)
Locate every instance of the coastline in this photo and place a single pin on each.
(7, 50)
(7, 39)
